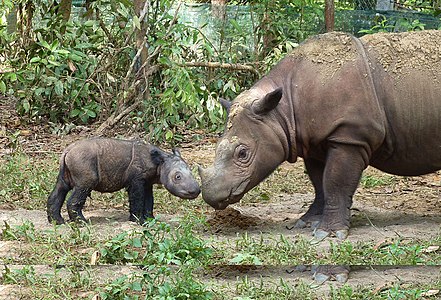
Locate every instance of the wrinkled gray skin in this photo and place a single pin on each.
(340, 103)
(109, 165)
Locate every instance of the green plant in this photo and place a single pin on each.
(25, 232)
(382, 24)
(372, 181)
(157, 244)
(25, 275)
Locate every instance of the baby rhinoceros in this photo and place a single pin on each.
(108, 165)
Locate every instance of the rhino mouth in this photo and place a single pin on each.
(236, 194)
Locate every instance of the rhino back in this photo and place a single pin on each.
(407, 77)
(100, 164)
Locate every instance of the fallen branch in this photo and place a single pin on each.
(240, 67)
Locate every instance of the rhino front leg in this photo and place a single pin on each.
(343, 169)
(148, 202)
(76, 203)
(314, 214)
(136, 201)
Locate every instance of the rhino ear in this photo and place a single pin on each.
(157, 156)
(176, 152)
(268, 102)
(226, 104)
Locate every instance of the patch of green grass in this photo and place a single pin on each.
(268, 250)
(372, 181)
(395, 252)
(157, 243)
(60, 245)
(26, 181)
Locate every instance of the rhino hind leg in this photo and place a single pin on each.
(55, 202)
(76, 203)
(314, 214)
(343, 169)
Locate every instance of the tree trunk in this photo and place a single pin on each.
(89, 10)
(65, 8)
(140, 43)
(218, 9)
(329, 15)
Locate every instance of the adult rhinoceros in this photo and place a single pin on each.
(341, 103)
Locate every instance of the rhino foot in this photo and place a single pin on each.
(312, 221)
(321, 234)
(335, 273)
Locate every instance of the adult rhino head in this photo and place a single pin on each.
(258, 137)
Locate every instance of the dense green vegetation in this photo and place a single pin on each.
(95, 66)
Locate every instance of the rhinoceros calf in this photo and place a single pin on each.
(341, 103)
(108, 165)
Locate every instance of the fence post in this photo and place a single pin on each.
(329, 15)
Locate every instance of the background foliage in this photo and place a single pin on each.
(86, 70)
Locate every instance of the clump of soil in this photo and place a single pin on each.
(403, 53)
(230, 219)
(329, 52)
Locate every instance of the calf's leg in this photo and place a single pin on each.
(76, 203)
(55, 202)
(136, 200)
(148, 202)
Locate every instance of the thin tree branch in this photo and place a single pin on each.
(219, 65)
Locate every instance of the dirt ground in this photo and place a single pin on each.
(410, 208)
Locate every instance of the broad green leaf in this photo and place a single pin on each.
(59, 88)
(53, 62)
(39, 91)
(26, 105)
(2, 86)
(91, 113)
(136, 286)
(136, 22)
(62, 51)
(75, 57)
(169, 135)
(74, 112)
(54, 45)
(89, 23)
(35, 59)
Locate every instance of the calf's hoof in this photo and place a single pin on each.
(55, 220)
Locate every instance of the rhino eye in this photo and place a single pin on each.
(242, 153)
(178, 176)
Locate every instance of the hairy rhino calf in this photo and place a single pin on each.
(341, 103)
(108, 165)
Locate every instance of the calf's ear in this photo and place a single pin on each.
(268, 102)
(156, 156)
(176, 152)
